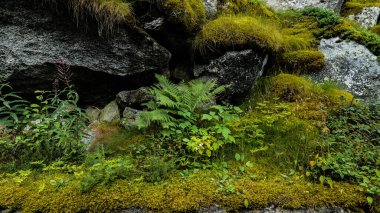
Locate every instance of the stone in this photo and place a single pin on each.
(133, 98)
(238, 69)
(110, 113)
(335, 5)
(352, 65)
(93, 114)
(211, 7)
(368, 17)
(154, 25)
(33, 39)
(129, 117)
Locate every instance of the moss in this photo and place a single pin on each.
(303, 61)
(247, 7)
(227, 31)
(189, 13)
(176, 194)
(376, 29)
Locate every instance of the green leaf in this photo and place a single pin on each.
(322, 179)
(208, 153)
(370, 200)
(249, 164)
(246, 203)
(237, 157)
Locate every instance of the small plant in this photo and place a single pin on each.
(189, 124)
(353, 148)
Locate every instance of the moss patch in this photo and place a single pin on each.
(37, 194)
(247, 7)
(303, 61)
(189, 13)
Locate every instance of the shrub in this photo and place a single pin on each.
(303, 61)
(189, 124)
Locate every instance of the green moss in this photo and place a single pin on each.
(229, 31)
(247, 7)
(189, 13)
(303, 61)
(177, 194)
(376, 29)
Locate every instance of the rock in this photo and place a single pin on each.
(154, 25)
(32, 39)
(368, 17)
(129, 117)
(93, 114)
(238, 69)
(211, 7)
(110, 113)
(133, 98)
(334, 5)
(351, 64)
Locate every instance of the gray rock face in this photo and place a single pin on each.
(335, 5)
(33, 39)
(351, 64)
(368, 17)
(129, 118)
(238, 69)
(211, 7)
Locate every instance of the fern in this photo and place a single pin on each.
(174, 103)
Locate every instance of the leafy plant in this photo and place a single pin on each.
(353, 148)
(49, 129)
(189, 124)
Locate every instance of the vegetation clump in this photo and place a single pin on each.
(303, 61)
(247, 7)
(189, 13)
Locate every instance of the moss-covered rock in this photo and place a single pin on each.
(190, 14)
(303, 61)
(247, 7)
(228, 31)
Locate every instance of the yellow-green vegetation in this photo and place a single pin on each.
(247, 7)
(242, 30)
(188, 13)
(355, 6)
(303, 61)
(376, 29)
(108, 13)
(285, 117)
(55, 193)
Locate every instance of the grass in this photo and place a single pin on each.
(108, 13)
(303, 61)
(247, 7)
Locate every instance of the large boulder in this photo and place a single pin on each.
(351, 64)
(335, 5)
(32, 39)
(368, 17)
(237, 69)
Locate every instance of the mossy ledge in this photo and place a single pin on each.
(176, 194)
